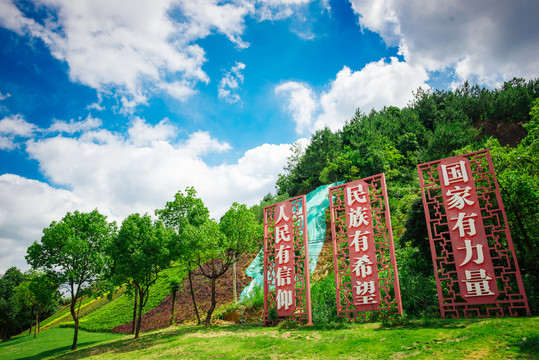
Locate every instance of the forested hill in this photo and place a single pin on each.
(435, 125)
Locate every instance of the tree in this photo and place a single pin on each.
(9, 305)
(210, 247)
(73, 249)
(45, 290)
(37, 293)
(140, 252)
(174, 288)
(186, 210)
(242, 230)
(26, 299)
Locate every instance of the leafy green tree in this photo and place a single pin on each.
(73, 249)
(175, 285)
(140, 252)
(26, 299)
(184, 211)
(44, 289)
(243, 232)
(214, 254)
(9, 305)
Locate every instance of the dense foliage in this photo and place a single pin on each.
(437, 124)
(74, 251)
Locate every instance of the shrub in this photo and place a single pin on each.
(324, 301)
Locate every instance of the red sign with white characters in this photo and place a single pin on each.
(363, 267)
(285, 277)
(475, 272)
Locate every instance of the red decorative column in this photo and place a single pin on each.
(366, 277)
(475, 266)
(287, 294)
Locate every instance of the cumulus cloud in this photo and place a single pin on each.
(138, 47)
(143, 169)
(483, 41)
(72, 126)
(140, 133)
(26, 207)
(230, 83)
(377, 85)
(13, 127)
(301, 103)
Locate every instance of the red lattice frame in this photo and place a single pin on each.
(512, 297)
(390, 298)
(303, 313)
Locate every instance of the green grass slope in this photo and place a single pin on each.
(49, 344)
(103, 314)
(120, 310)
(507, 338)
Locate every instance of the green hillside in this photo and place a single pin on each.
(510, 338)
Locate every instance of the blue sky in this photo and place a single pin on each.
(117, 105)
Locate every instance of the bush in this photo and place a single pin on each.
(324, 301)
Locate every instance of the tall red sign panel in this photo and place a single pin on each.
(286, 263)
(476, 270)
(366, 276)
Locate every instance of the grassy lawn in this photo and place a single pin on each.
(507, 338)
(50, 344)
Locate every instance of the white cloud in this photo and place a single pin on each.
(4, 97)
(141, 171)
(141, 133)
(201, 143)
(75, 126)
(230, 83)
(133, 46)
(13, 127)
(278, 9)
(136, 47)
(484, 41)
(301, 103)
(377, 85)
(26, 207)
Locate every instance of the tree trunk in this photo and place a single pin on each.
(37, 320)
(140, 306)
(172, 310)
(134, 314)
(213, 303)
(76, 320)
(234, 280)
(193, 297)
(31, 320)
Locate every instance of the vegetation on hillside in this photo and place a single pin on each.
(509, 338)
(437, 124)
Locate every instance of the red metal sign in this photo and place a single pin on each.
(467, 232)
(366, 276)
(363, 269)
(475, 266)
(284, 260)
(286, 263)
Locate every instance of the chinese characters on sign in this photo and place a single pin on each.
(475, 266)
(470, 246)
(362, 247)
(363, 268)
(286, 262)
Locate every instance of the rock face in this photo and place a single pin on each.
(159, 316)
